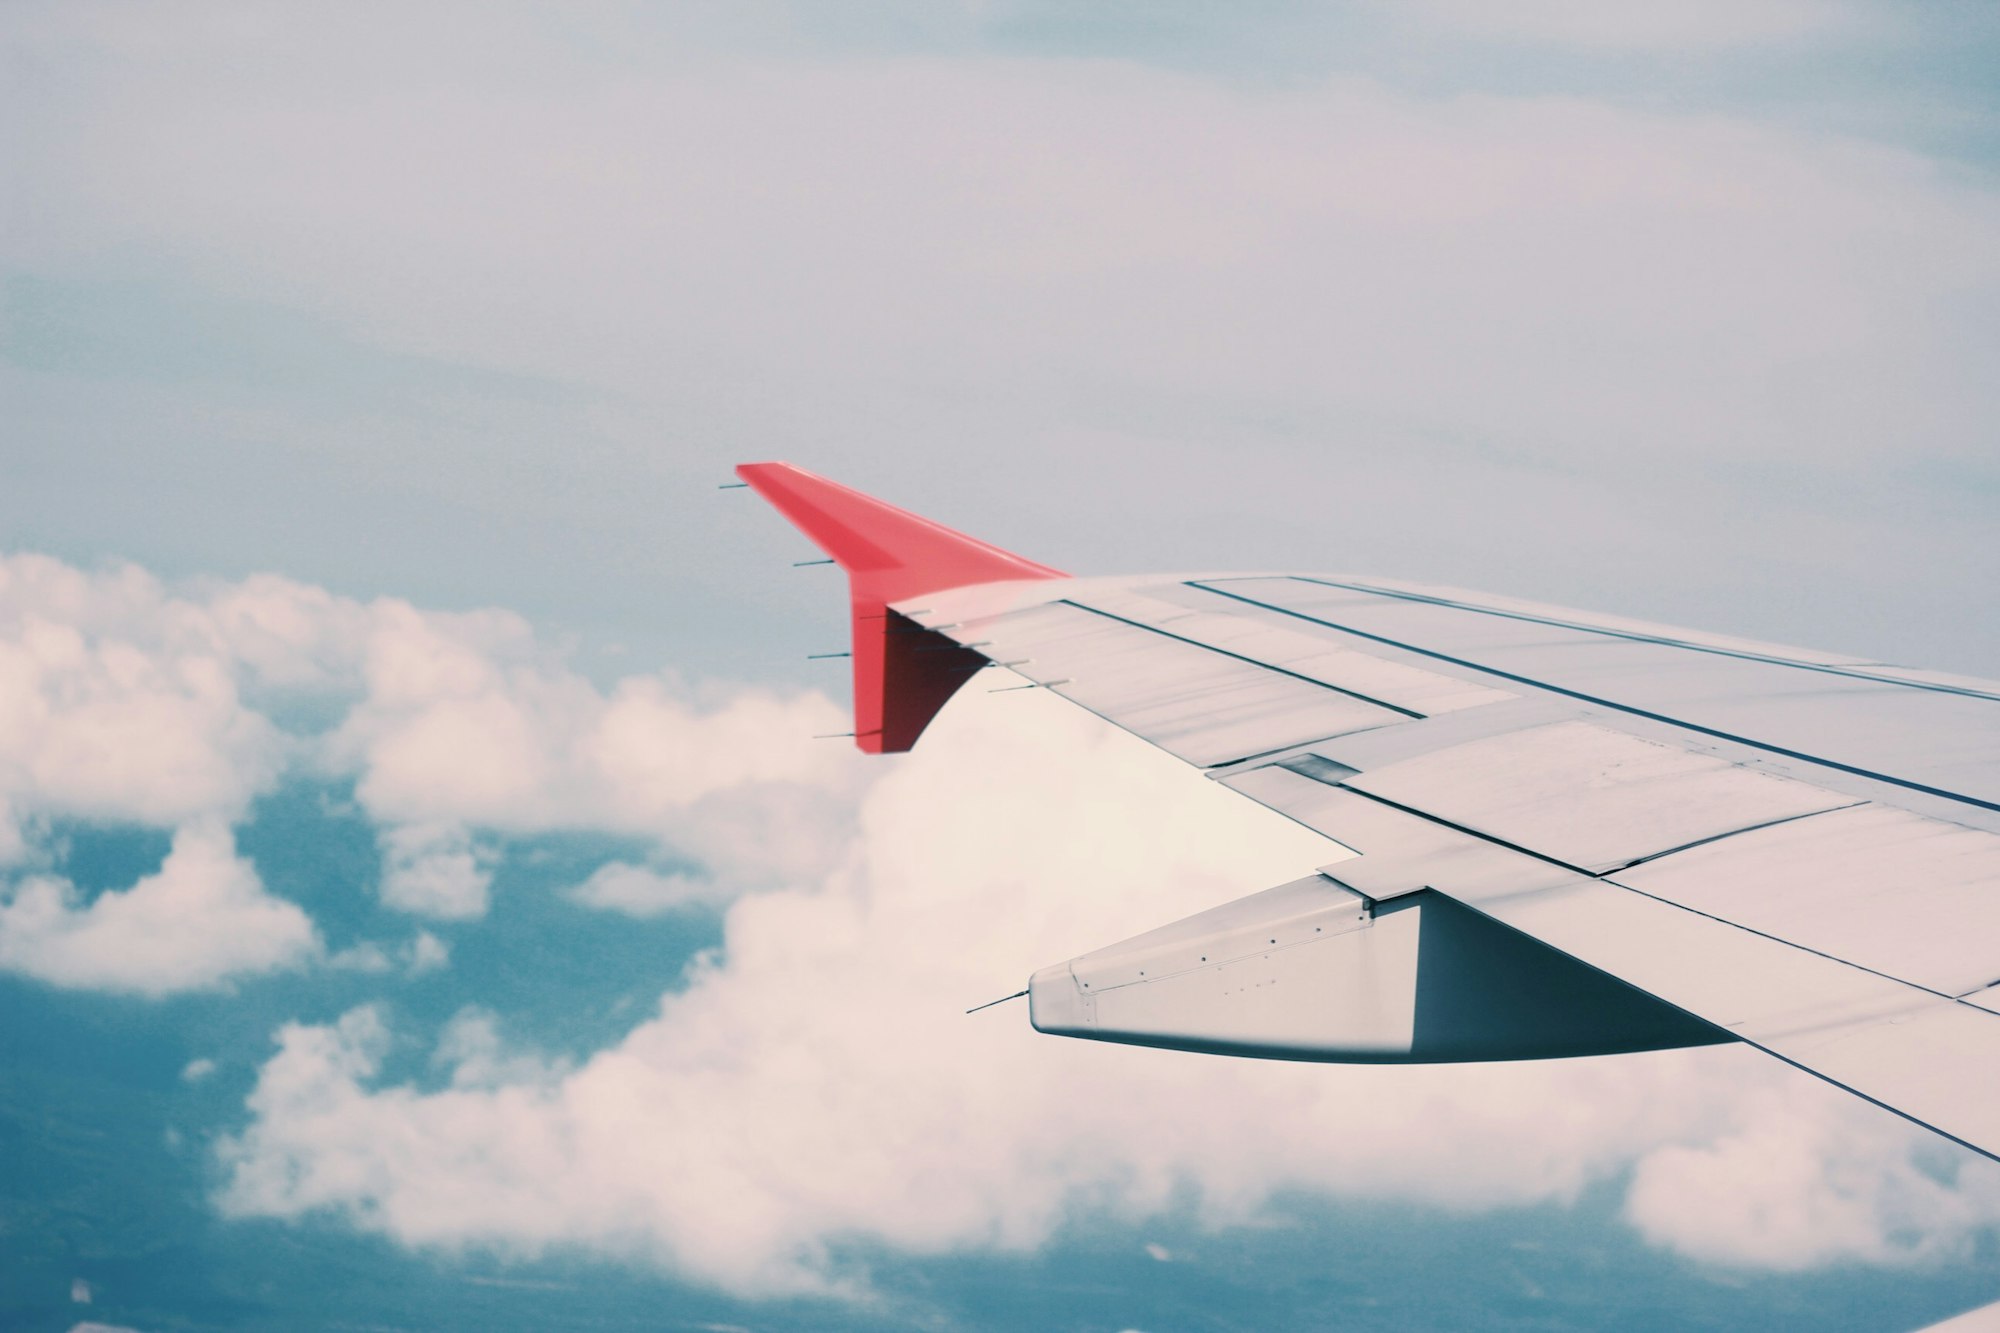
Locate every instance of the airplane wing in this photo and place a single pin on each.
(1569, 834)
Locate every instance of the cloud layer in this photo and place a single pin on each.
(126, 702)
(118, 703)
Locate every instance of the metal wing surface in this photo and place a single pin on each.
(1570, 833)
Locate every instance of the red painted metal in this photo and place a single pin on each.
(903, 673)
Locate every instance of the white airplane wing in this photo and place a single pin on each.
(1570, 834)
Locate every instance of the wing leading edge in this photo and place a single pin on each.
(1573, 834)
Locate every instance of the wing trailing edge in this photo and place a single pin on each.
(903, 673)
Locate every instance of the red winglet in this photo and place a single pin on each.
(903, 673)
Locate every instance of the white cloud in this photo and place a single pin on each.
(202, 920)
(816, 1081)
(471, 725)
(640, 891)
(1800, 1181)
(471, 1048)
(288, 635)
(427, 953)
(485, 728)
(435, 870)
(197, 1070)
(424, 952)
(124, 700)
(114, 706)
(366, 956)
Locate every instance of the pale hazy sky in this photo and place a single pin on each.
(1686, 312)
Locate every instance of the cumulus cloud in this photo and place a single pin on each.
(426, 953)
(435, 870)
(471, 1048)
(475, 728)
(448, 738)
(642, 891)
(202, 920)
(113, 707)
(122, 699)
(473, 725)
(129, 699)
(815, 1080)
(421, 953)
(1799, 1181)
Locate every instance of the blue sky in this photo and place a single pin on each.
(424, 903)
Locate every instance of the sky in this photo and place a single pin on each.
(423, 901)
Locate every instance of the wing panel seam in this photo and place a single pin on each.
(1605, 878)
(1469, 832)
(1905, 783)
(1790, 944)
(1240, 657)
(1651, 857)
(1823, 668)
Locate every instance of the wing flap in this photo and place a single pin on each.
(1895, 1043)
(1589, 796)
(1913, 898)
